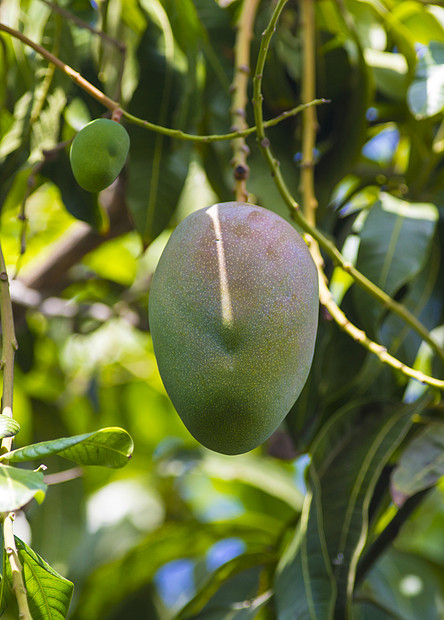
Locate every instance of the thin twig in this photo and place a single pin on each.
(18, 585)
(112, 105)
(309, 124)
(9, 346)
(327, 245)
(239, 100)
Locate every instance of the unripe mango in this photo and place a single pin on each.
(98, 154)
(233, 313)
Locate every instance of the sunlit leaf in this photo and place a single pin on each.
(18, 487)
(110, 447)
(49, 594)
(425, 95)
(8, 427)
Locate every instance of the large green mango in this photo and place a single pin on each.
(233, 313)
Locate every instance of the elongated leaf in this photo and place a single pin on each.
(157, 166)
(49, 594)
(8, 427)
(304, 584)
(348, 470)
(425, 95)
(395, 245)
(421, 464)
(110, 447)
(18, 487)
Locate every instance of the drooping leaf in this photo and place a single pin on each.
(421, 465)
(425, 96)
(349, 455)
(304, 585)
(395, 245)
(158, 165)
(18, 487)
(49, 594)
(8, 427)
(110, 447)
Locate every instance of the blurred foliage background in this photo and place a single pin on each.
(182, 532)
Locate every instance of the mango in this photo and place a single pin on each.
(233, 314)
(98, 153)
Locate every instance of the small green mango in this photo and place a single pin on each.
(98, 154)
(233, 312)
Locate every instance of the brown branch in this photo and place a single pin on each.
(239, 102)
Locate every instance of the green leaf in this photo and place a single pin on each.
(8, 427)
(6, 593)
(395, 245)
(18, 487)
(389, 72)
(158, 166)
(49, 594)
(425, 96)
(110, 447)
(304, 584)
(421, 465)
(349, 456)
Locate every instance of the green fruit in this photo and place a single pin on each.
(233, 313)
(98, 153)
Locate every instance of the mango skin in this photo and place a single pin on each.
(98, 154)
(233, 313)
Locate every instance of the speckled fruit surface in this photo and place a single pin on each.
(98, 154)
(233, 313)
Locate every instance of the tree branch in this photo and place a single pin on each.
(329, 247)
(239, 101)
(112, 105)
(18, 585)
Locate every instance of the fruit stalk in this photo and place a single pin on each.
(239, 101)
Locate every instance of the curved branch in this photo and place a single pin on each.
(327, 299)
(112, 105)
